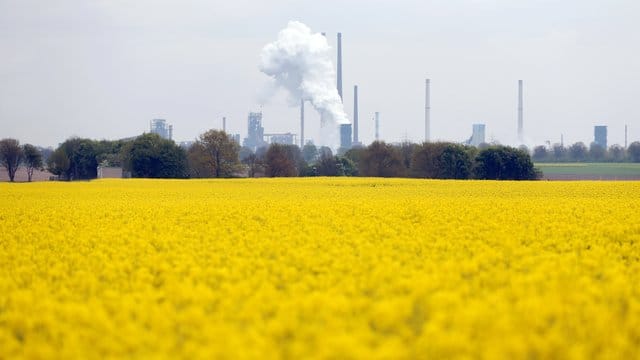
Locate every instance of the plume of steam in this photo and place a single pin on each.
(299, 61)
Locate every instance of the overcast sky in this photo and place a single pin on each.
(103, 69)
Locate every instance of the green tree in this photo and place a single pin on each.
(10, 156)
(309, 153)
(616, 153)
(58, 162)
(406, 150)
(540, 153)
(597, 152)
(355, 154)
(222, 152)
(32, 159)
(578, 152)
(75, 159)
(633, 151)
(109, 152)
(425, 162)
(559, 152)
(327, 165)
(346, 167)
(381, 160)
(441, 161)
(504, 163)
(454, 162)
(150, 156)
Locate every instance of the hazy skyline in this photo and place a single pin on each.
(104, 69)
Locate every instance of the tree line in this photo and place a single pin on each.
(215, 154)
(579, 152)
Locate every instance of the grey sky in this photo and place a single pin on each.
(103, 69)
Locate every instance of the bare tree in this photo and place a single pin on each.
(222, 152)
(32, 159)
(10, 156)
(280, 160)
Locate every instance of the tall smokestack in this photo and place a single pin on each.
(427, 111)
(377, 126)
(520, 129)
(224, 124)
(625, 136)
(355, 114)
(340, 65)
(301, 123)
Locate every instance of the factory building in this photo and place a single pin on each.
(345, 136)
(477, 136)
(600, 135)
(160, 127)
(284, 138)
(255, 133)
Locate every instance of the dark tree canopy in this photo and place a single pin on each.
(10, 156)
(150, 156)
(578, 152)
(441, 161)
(381, 160)
(282, 160)
(540, 153)
(327, 165)
(75, 159)
(634, 151)
(616, 153)
(504, 163)
(597, 152)
(559, 152)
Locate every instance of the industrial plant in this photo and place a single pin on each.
(349, 134)
(162, 128)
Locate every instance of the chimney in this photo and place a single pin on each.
(377, 126)
(625, 136)
(340, 65)
(355, 114)
(224, 124)
(520, 125)
(427, 111)
(301, 123)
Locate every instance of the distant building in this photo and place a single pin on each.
(600, 135)
(255, 131)
(110, 172)
(236, 138)
(186, 144)
(160, 127)
(285, 138)
(345, 136)
(477, 136)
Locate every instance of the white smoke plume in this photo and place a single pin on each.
(299, 61)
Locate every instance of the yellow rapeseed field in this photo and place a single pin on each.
(326, 268)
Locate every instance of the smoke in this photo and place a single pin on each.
(299, 61)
